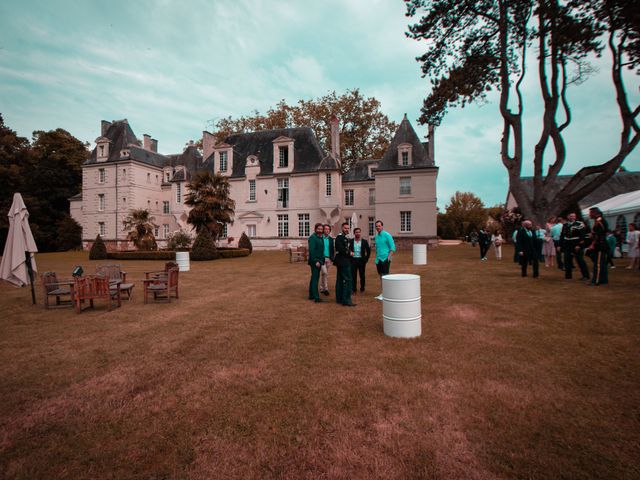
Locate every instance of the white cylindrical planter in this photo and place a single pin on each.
(401, 307)
(182, 259)
(419, 254)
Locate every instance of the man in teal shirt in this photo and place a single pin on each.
(316, 260)
(385, 248)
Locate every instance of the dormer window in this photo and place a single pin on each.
(283, 157)
(124, 153)
(283, 154)
(405, 155)
(102, 149)
(223, 161)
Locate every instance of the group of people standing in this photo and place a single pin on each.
(350, 257)
(568, 241)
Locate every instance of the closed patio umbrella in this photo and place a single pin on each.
(354, 222)
(18, 262)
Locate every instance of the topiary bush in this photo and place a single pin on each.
(245, 242)
(98, 250)
(204, 248)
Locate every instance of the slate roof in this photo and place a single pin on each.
(359, 171)
(308, 156)
(621, 182)
(420, 155)
(121, 137)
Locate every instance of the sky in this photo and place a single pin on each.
(173, 67)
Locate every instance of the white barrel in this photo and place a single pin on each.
(419, 254)
(182, 259)
(401, 305)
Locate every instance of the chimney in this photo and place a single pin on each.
(146, 142)
(104, 126)
(335, 137)
(208, 142)
(154, 145)
(432, 151)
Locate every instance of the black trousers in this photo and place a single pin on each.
(556, 244)
(569, 255)
(525, 261)
(484, 248)
(358, 266)
(383, 267)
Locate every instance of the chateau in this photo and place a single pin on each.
(281, 181)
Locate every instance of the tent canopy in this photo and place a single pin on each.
(618, 205)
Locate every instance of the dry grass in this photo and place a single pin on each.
(245, 378)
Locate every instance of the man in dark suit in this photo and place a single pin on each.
(342, 261)
(360, 251)
(573, 239)
(484, 240)
(598, 249)
(316, 261)
(526, 248)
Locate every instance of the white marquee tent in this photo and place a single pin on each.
(623, 204)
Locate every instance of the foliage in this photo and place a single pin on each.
(140, 225)
(245, 242)
(143, 255)
(464, 213)
(233, 252)
(179, 240)
(98, 250)
(204, 247)
(69, 234)
(510, 220)
(477, 46)
(47, 172)
(212, 206)
(364, 130)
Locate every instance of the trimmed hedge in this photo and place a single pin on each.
(223, 252)
(233, 252)
(245, 242)
(98, 250)
(143, 255)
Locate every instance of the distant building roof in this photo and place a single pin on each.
(308, 155)
(359, 171)
(121, 137)
(420, 154)
(621, 182)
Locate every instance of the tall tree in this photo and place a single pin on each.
(365, 131)
(211, 205)
(475, 46)
(464, 212)
(47, 172)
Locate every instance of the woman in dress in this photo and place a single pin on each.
(548, 248)
(496, 240)
(633, 236)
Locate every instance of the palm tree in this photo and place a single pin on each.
(208, 195)
(141, 226)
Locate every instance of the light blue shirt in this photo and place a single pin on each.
(556, 230)
(357, 249)
(384, 245)
(326, 241)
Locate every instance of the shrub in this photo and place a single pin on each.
(179, 240)
(98, 250)
(143, 255)
(244, 242)
(69, 234)
(204, 248)
(233, 252)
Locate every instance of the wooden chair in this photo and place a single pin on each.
(162, 286)
(161, 273)
(96, 288)
(52, 287)
(115, 274)
(297, 254)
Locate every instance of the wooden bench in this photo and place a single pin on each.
(57, 288)
(298, 254)
(96, 288)
(115, 274)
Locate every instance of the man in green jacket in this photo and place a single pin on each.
(316, 260)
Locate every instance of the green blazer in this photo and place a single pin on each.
(316, 250)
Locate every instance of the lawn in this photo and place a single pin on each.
(243, 377)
